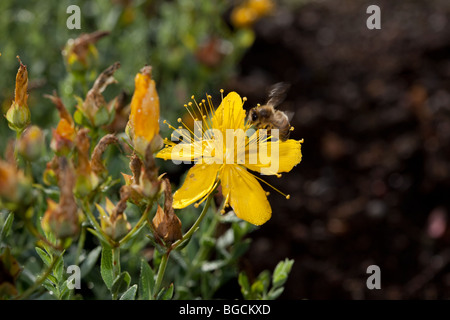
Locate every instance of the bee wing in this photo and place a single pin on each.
(289, 114)
(277, 93)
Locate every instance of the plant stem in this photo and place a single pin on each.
(161, 271)
(16, 151)
(41, 279)
(141, 221)
(194, 227)
(80, 244)
(187, 236)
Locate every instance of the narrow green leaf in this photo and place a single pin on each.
(43, 255)
(106, 266)
(257, 289)
(244, 284)
(281, 273)
(121, 283)
(275, 293)
(146, 281)
(90, 261)
(130, 294)
(6, 227)
(165, 294)
(49, 286)
(58, 271)
(264, 277)
(168, 294)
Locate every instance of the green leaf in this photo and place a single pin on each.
(6, 227)
(165, 294)
(257, 289)
(281, 273)
(98, 235)
(244, 284)
(146, 281)
(58, 271)
(44, 257)
(78, 117)
(66, 293)
(130, 294)
(106, 266)
(275, 293)
(121, 283)
(264, 277)
(90, 261)
(209, 266)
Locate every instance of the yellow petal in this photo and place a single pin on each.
(199, 182)
(230, 114)
(144, 115)
(185, 152)
(247, 198)
(269, 162)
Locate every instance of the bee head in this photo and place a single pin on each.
(253, 116)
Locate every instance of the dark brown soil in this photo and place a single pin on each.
(374, 109)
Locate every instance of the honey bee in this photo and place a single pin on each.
(267, 117)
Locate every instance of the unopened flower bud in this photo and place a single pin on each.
(14, 185)
(31, 144)
(18, 115)
(65, 133)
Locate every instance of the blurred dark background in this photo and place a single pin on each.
(373, 187)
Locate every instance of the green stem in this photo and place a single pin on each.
(187, 236)
(141, 221)
(16, 150)
(161, 271)
(41, 279)
(194, 227)
(80, 245)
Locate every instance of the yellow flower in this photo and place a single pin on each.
(250, 11)
(227, 163)
(143, 125)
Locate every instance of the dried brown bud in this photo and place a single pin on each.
(165, 222)
(96, 159)
(62, 218)
(79, 52)
(95, 107)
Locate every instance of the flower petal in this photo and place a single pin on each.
(247, 198)
(230, 114)
(260, 160)
(145, 106)
(185, 152)
(199, 182)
